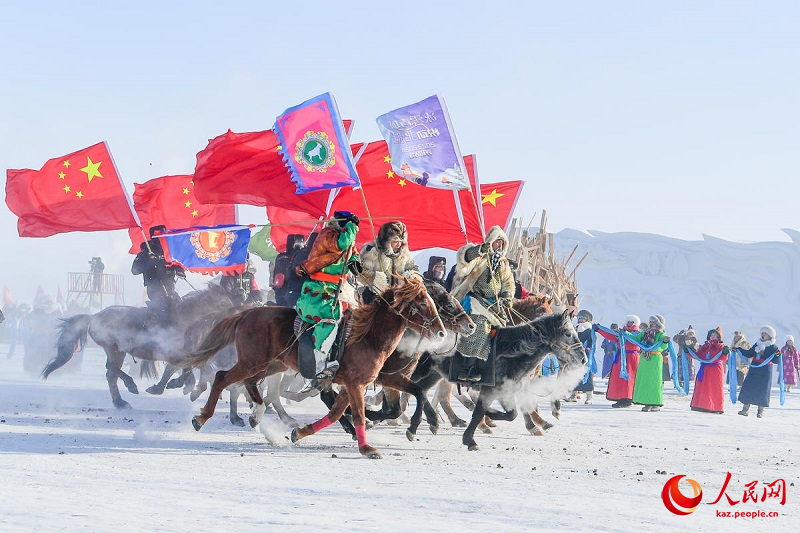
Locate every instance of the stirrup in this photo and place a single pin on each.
(310, 385)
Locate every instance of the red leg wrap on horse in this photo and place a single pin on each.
(322, 423)
(361, 436)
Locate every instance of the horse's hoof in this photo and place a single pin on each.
(370, 453)
(556, 414)
(193, 396)
(174, 384)
(154, 390)
(434, 429)
(489, 422)
(537, 432)
(237, 421)
(196, 424)
(133, 390)
(295, 437)
(410, 435)
(486, 431)
(122, 404)
(253, 421)
(473, 448)
(458, 423)
(393, 422)
(547, 425)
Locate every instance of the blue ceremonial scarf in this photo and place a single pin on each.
(703, 362)
(592, 364)
(733, 377)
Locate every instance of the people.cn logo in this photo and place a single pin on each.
(675, 501)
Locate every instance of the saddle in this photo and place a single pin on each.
(486, 368)
(303, 331)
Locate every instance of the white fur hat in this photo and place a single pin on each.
(769, 330)
(659, 320)
(789, 338)
(633, 318)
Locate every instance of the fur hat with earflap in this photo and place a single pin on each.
(769, 330)
(585, 314)
(659, 321)
(392, 231)
(717, 330)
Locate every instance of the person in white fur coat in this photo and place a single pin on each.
(385, 258)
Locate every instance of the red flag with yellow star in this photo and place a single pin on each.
(498, 201)
(80, 191)
(170, 201)
(430, 214)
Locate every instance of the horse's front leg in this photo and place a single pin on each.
(341, 403)
(234, 392)
(114, 359)
(273, 397)
(443, 394)
(328, 397)
(129, 382)
(468, 439)
(159, 387)
(509, 413)
(356, 394)
(402, 383)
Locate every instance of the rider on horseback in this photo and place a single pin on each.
(484, 283)
(159, 277)
(332, 254)
(241, 287)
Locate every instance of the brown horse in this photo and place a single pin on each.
(264, 335)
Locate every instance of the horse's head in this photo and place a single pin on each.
(453, 316)
(552, 333)
(412, 301)
(533, 306)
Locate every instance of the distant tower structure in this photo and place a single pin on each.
(86, 289)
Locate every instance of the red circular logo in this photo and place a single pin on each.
(675, 501)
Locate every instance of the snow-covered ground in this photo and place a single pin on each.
(71, 462)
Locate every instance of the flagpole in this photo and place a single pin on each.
(369, 216)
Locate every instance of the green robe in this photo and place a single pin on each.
(317, 303)
(649, 386)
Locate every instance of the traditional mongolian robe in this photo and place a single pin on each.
(585, 336)
(649, 386)
(618, 387)
(791, 361)
(709, 394)
(325, 267)
(758, 381)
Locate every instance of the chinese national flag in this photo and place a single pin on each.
(429, 214)
(80, 191)
(285, 222)
(498, 201)
(247, 168)
(170, 200)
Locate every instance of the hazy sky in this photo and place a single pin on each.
(677, 118)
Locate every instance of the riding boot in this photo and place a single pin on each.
(760, 413)
(745, 409)
(469, 370)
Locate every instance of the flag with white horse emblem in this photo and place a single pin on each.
(208, 249)
(314, 145)
(422, 145)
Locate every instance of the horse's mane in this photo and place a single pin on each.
(527, 337)
(397, 298)
(530, 305)
(212, 292)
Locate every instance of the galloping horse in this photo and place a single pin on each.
(519, 351)
(431, 369)
(395, 376)
(122, 329)
(266, 334)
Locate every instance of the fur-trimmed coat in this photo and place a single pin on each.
(471, 263)
(380, 265)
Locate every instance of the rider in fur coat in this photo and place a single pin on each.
(384, 258)
(484, 284)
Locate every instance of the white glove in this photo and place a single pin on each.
(380, 283)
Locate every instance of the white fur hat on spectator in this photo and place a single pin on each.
(633, 318)
(769, 330)
(789, 338)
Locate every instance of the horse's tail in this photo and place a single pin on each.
(147, 369)
(221, 335)
(73, 335)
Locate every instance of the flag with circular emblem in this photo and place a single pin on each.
(314, 145)
(208, 250)
(80, 191)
